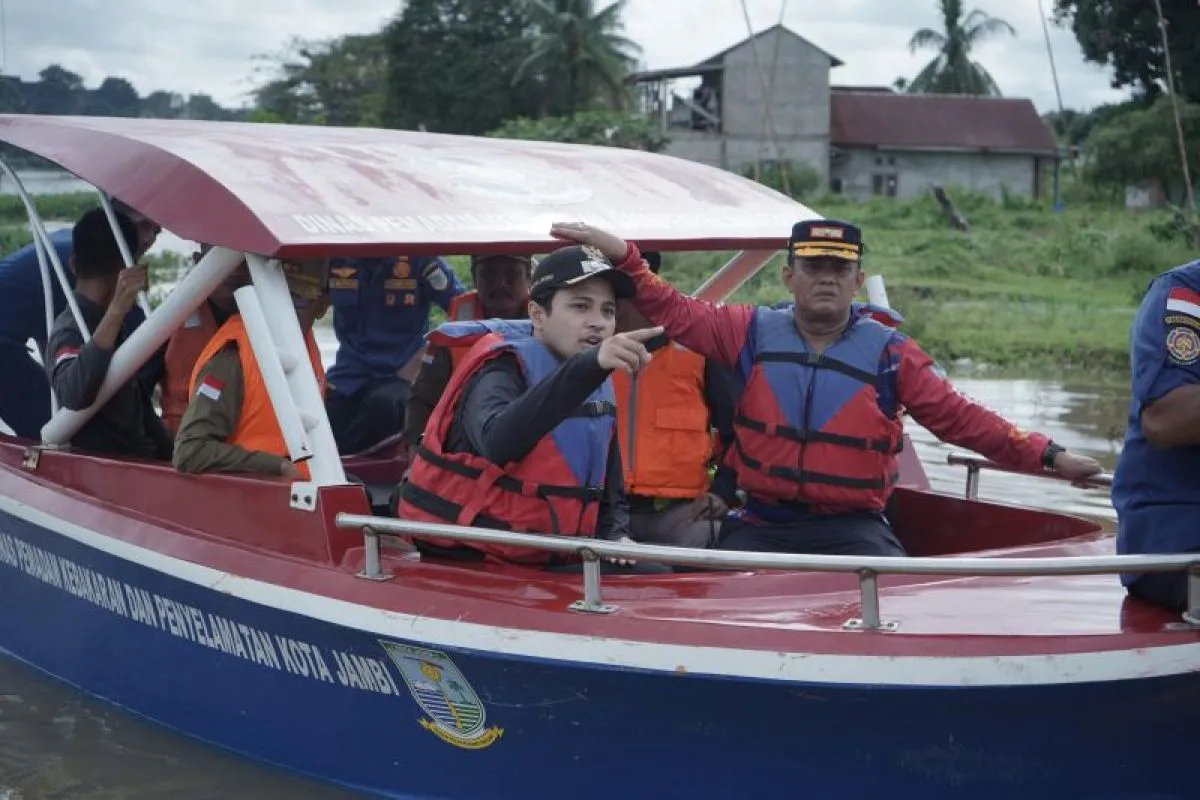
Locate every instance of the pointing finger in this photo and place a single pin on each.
(645, 334)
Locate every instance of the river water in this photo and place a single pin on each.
(58, 744)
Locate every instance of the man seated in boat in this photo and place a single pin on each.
(501, 292)
(105, 291)
(664, 419)
(819, 424)
(1156, 486)
(524, 437)
(25, 390)
(666, 414)
(380, 315)
(186, 344)
(230, 424)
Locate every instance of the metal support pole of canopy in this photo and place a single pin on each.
(48, 302)
(270, 285)
(126, 256)
(47, 257)
(274, 372)
(1192, 615)
(45, 248)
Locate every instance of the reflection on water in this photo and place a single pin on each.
(60, 745)
(1085, 419)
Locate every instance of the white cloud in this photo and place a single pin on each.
(210, 46)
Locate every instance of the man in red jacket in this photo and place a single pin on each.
(820, 422)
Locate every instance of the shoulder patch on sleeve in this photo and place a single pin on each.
(1183, 345)
(1184, 301)
(211, 388)
(65, 354)
(1183, 307)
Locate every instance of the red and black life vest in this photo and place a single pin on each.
(810, 427)
(555, 488)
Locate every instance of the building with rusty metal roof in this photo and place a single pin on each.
(770, 99)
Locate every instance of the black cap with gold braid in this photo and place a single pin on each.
(825, 238)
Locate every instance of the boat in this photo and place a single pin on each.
(289, 622)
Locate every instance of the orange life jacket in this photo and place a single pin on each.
(258, 427)
(465, 306)
(809, 427)
(555, 488)
(179, 362)
(663, 426)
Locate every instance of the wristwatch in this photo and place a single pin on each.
(1050, 453)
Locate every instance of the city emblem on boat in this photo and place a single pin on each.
(456, 714)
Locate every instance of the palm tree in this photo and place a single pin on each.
(579, 55)
(953, 71)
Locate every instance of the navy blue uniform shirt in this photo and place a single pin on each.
(381, 314)
(1156, 492)
(22, 309)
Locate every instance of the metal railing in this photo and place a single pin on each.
(976, 464)
(867, 568)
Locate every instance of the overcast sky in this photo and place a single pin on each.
(209, 45)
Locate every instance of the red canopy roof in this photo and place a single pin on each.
(282, 190)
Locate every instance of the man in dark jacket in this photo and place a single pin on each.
(106, 291)
(25, 392)
(499, 414)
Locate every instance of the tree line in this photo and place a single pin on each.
(460, 66)
(60, 91)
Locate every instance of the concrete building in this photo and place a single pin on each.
(769, 99)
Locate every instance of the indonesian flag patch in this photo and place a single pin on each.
(1183, 300)
(65, 354)
(211, 388)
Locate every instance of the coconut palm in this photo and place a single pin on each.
(953, 71)
(579, 55)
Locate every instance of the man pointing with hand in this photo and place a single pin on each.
(524, 437)
(819, 424)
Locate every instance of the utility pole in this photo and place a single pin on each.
(1183, 155)
(1058, 94)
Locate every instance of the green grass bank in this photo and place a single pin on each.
(1026, 289)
